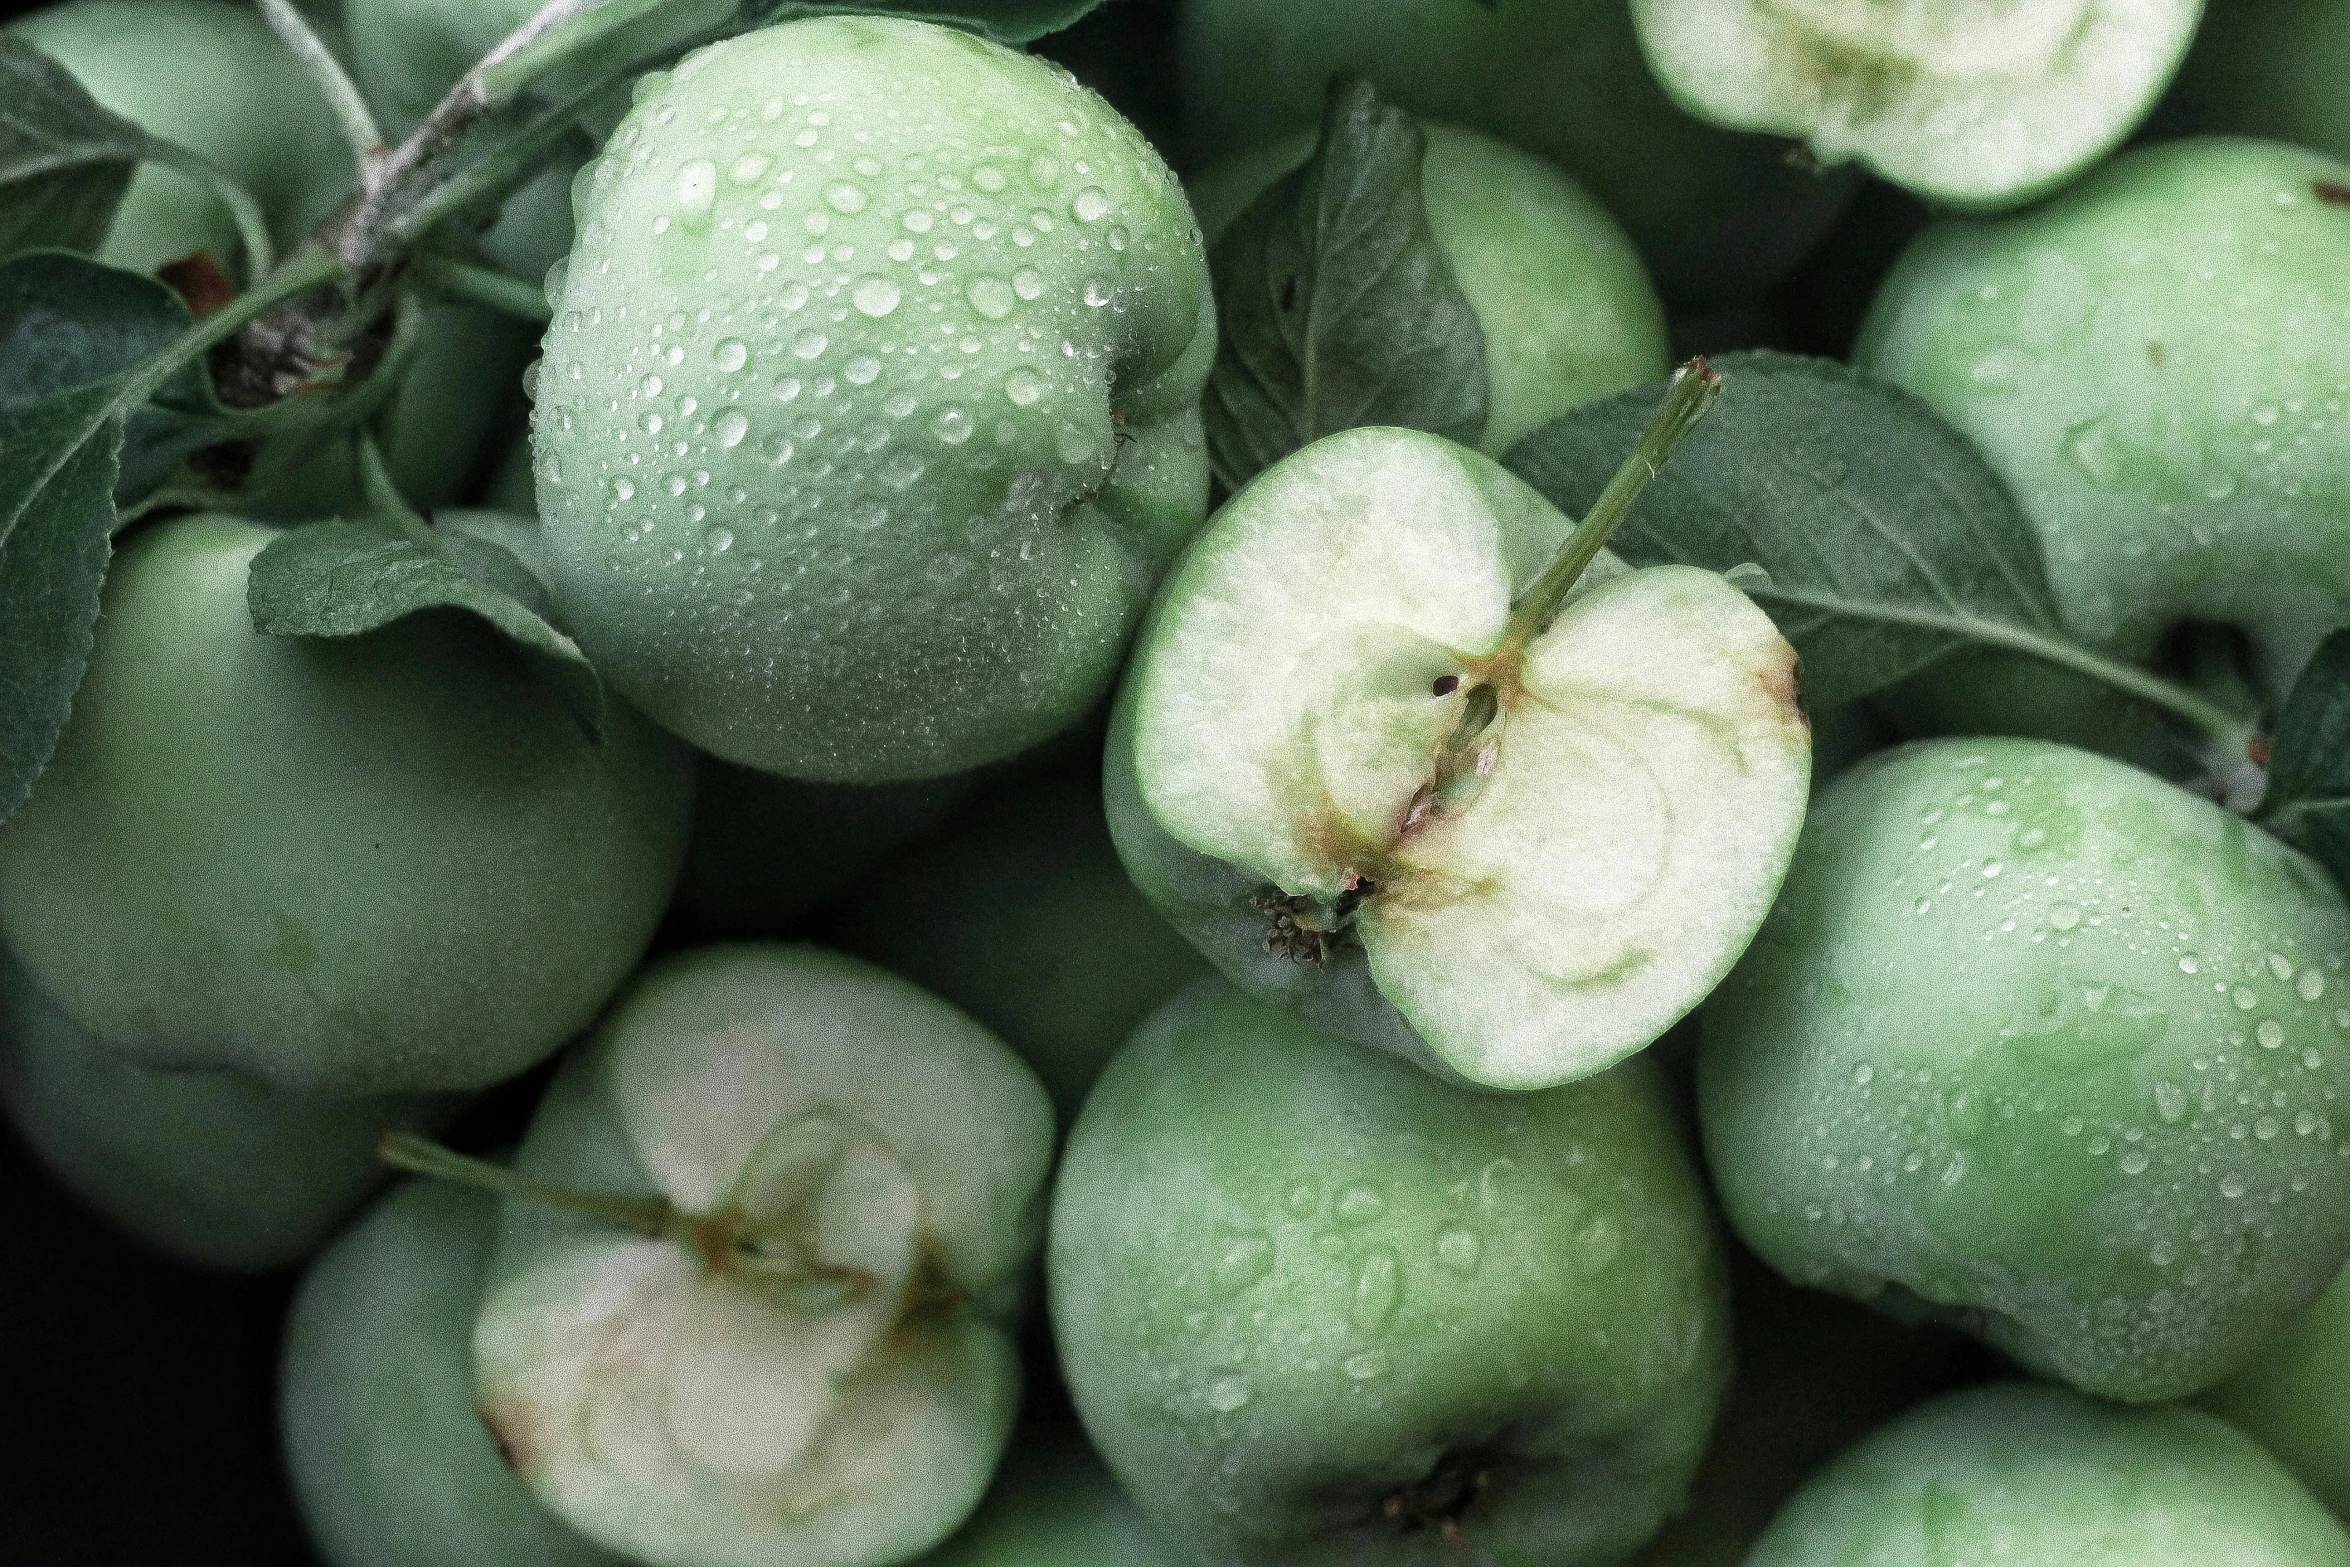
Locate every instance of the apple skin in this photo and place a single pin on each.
(1719, 216)
(1023, 917)
(2293, 1401)
(1568, 313)
(212, 1168)
(378, 864)
(389, 1460)
(1310, 1301)
(963, 397)
(2034, 1476)
(211, 76)
(2152, 361)
(2040, 1045)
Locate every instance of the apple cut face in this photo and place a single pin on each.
(1517, 905)
(1971, 103)
(816, 1365)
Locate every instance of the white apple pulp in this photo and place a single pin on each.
(1974, 103)
(814, 1363)
(1584, 868)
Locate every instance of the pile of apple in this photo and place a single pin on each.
(1227, 815)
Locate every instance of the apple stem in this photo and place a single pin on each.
(651, 1217)
(1693, 389)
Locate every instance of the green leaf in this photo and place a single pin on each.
(1337, 307)
(64, 161)
(1884, 540)
(74, 338)
(1005, 21)
(349, 576)
(2308, 800)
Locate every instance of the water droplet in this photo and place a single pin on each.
(875, 296)
(2188, 965)
(2162, 1254)
(731, 355)
(1247, 1258)
(1864, 1074)
(1378, 1287)
(2231, 1186)
(2311, 984)
(1091, 206)
(2064, 916)
(2170, 1100)
(696, 187)
(1366, 1365)
(862, 370)
(1597, 1244)
(1226, 1394)
(2091, 447)
(2270, 1033)
(732, 427)
(845, 198)
(719, 537)
(1458, 1249)
(902, 470)
(952, 426)
(1043, 172)
(2280, 965)
(1098, 292)
(810, 344)
(2031, 837)
(2244, 998)
(1028, 283)
(992, 297)
(988, 178)
(2266, 1129)
(623, 489)
(1023, 387)
(747, 168)
(1358, 1204)
(2133, 1161)
(1992, 869)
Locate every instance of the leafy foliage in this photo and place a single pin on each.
(347, 576)
(1884, 540)
(74, 339)
(1338, 308)
(2308, 799)
(64, 161)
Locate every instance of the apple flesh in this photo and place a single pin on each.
(1283, 780)
(803, 1349)
(1317, 1307)
(389, 1461)
(2038, 1045)
(2040, 1477)
(1971, 104)
(1558, 290)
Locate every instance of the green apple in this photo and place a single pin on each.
(2269, 68)
(796, 1343)
(1718, 216)
(1815, 1374)
(1023, 917)
(1339, 756)
(2153, 362)
(2038, 1045)
(1318, 1307)
(211, 76)
(1973, 104)
(388, 1458)
(2038, 1477)
(1054, 1505)
(767, 852)
(2291, 1397)
(1558, 291)
(388, 863)
(211, 1167)
(869, 414)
